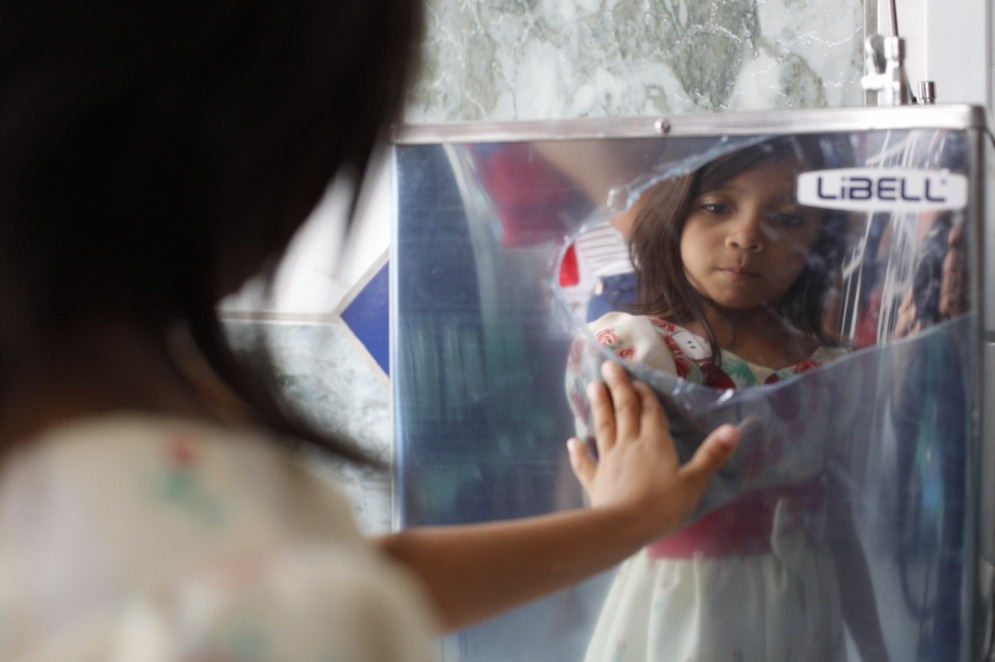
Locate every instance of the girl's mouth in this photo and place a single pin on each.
(737, 274)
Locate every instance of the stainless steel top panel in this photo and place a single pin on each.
(815, 120)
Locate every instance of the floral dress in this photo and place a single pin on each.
(133, 538)
(752, 581)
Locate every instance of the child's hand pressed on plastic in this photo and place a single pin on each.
(953, 299)
(638, 469)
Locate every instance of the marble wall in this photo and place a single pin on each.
(555, 59)
(328, 374)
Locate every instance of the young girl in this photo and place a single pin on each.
(734, 280)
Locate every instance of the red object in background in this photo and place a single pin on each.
(866, 333)
(569, 272)
(528, 194)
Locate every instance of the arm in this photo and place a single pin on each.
(639, 492)
(952, 296)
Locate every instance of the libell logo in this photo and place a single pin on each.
(882, 189)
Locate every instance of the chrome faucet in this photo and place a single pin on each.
(884, 61)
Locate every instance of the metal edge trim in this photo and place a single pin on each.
(811, 120)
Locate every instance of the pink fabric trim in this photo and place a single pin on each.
(740, 528)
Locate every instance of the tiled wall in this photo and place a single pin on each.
(533, 59)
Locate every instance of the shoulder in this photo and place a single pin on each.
(302, 604)
(617, 331)
(648, 340)
(197, 535)
(112, 508)
(192, 474)
(631, 324)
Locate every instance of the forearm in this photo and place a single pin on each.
(474, 572)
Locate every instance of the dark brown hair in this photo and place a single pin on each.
(156, 153)
(663, 287)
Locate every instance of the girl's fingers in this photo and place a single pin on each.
(906, 302)
(652, 415)
(952, 283)
(956, 235)
(712, 454)
(627, 404)
(602, 416)
(906, 317)
(581, 463)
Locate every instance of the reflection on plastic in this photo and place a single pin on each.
(853, 475)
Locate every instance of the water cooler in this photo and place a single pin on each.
(495, 274)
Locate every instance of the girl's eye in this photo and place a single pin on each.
(714, 208)
(789, 220)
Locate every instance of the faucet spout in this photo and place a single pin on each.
(884, 59)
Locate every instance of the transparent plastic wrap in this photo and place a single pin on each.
(518, 271)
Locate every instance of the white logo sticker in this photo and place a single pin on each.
(882, 189)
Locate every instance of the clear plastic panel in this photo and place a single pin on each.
(847, 519)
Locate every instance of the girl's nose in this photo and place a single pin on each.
(747, 233)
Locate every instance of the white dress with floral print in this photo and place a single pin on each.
(136, 539)
(753, 581)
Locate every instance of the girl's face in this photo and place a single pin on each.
(744, 243)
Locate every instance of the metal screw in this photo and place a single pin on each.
(663, 126)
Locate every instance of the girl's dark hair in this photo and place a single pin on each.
(663, 287)
(157, 153)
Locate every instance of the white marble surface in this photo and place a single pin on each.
(558, 59)
(337, 386)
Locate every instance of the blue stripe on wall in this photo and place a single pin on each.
(367, 316)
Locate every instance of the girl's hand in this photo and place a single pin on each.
(953, 301)
(638, 469)
(639, 490)
(906, 324)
